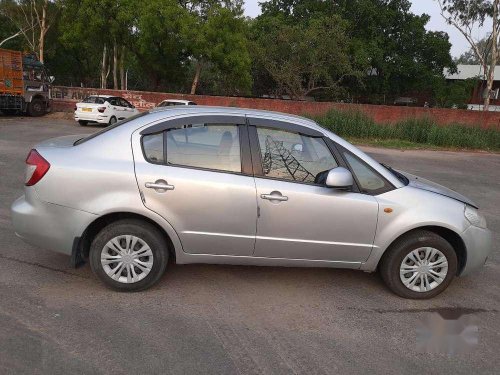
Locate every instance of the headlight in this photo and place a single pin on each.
(474, 217)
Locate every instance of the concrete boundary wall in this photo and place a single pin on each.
(64, 99)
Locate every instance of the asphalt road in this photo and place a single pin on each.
(204, 319)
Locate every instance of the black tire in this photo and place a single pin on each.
(82, 122)
(112, 120)
(394, 256)
(146, 232)
(36, 108)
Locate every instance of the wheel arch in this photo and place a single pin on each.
(81, 246)
(449, 235)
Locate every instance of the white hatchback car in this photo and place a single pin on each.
(103, 109)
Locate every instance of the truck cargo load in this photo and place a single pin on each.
(24, 84)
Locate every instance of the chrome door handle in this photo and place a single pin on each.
(272, 197)
(159, 186)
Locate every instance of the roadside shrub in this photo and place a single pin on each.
(354, 124)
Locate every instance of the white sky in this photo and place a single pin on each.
(429, 7)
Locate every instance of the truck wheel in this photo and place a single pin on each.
(36, 108)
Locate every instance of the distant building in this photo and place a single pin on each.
(465, 72)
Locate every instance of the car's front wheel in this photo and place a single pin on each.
(129, 255)
(419, 265)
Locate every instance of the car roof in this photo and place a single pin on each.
(101, 96)
(176, 101)
(174, 111)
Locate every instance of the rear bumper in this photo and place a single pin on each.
(93, 117)
(47, 225)
(478, 243)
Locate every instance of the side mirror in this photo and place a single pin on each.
(297, 147)
(339, 178)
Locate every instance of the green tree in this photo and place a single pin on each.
(31, 19)
(466, 16)
(449, 94)
(386, 41)
(98, 25)
(159, 42)
(304, 57)
(218, 45)
(401, 55)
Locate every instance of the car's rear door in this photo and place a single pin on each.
(196, 173)
(299, 217)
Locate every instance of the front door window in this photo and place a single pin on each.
(292, 156)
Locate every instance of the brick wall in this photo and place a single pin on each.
(64, 99)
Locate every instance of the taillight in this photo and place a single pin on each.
(36, 167)
(101, 109)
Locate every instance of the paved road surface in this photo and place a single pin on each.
(203, 319)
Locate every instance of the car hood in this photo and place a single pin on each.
(64, 141)
(422, 183)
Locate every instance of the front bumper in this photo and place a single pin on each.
(47, 225)
(478, 243)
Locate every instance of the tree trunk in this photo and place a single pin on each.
(122, 69)
(115, 66)
(494, 56)
(196, 78)
(104, 67)
(43, 31)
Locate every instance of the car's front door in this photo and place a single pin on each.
(197, 174)
(299, 217)
(128, 109)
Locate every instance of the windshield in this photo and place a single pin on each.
(398, 175)
(108, 128)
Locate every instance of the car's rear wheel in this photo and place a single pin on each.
(419, 265)
(112, 120)
(129, 255)
(82, 122)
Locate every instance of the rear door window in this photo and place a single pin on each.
(208, 146)
(93, 100)
(153, 148)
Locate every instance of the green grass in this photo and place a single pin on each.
(410, 133)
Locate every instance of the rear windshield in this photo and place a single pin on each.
(108, 128)
(93, 99)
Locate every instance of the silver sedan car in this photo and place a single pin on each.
(246, 187)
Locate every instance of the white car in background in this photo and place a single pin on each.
(103, 109)
(174, 102)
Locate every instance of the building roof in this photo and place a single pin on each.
(470, 71)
